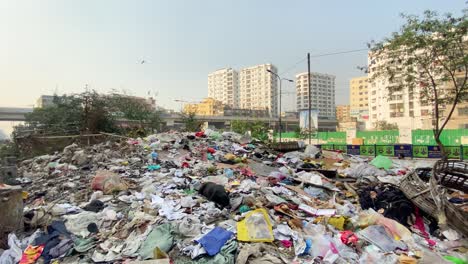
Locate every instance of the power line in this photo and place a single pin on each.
(293, 66)
(337, 53)
(322, 55)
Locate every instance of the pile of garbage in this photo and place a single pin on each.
(211, 197)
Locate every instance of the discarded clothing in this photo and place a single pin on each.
(215, 240)
(161, 237)
(31, 254)
(392, 200)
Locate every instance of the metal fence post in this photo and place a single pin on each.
(461, 152)
(333, 146)
(375, 150)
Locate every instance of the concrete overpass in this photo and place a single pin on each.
(175, 119)
(13, 113)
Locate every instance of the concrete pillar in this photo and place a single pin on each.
(11, 210)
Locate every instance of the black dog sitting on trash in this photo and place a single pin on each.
(215, 193)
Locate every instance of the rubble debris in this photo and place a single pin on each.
(211, 197)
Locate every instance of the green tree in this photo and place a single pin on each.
(190, 122)
(7, 148)
(133, 109)
(87, 112)
(62, 116)
(257, 129)
(96, 113)
(427, 53)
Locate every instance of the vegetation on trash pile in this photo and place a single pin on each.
(7, 148)
(302, 134)
(90, 112)
(191, 124)
(428, 53)
(257, 129)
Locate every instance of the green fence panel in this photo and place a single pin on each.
(333, 137)
(449, 137)
(420, 151)
(465, 153)
(367, 150)
(341, 147)
(453, 152)
(327, 146)
(379, 137)
(385, 150)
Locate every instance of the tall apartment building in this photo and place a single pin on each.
(323, 93)
(258, 88)
(223, 86)
(404, 108)
(359, 98)
(343, 113)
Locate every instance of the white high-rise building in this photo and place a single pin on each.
(323, 93)
(258, 89)
(223, 85)
(404, 107)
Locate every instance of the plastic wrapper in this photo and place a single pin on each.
(108, 182)
(377, 235)
(394, 229)
(256, 227)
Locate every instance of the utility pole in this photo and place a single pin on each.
(310, 99)
(280, 91)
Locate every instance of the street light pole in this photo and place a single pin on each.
(280, 81)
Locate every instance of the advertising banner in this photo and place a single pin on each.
(367, 150)
(304, 119)
(405, 150)
(385, 150)
(420, 151)
(433, 152)
(353, 150)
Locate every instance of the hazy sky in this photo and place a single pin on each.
(48, 46)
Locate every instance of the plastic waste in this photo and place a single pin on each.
(382, 162)
(256, 227)
(310, 177)
(455, 260)
(311, 151)
(396, 230)
(377, 235)
(228, 172)
(108, 182)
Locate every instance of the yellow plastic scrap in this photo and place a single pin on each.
(230, 156)
(256, 227)
(403, 259)
(338, 222)
(24, 195)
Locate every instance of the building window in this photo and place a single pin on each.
(463, 111)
